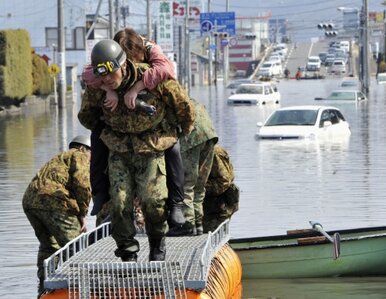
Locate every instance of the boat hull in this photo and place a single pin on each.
(362, 253)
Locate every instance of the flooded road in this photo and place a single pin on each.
(340, 184)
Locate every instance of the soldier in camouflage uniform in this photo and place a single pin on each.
(136, 143)
(56, 201)
(197, 157)
(222, 195)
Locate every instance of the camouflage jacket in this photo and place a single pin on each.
(203, 129)
(126, 128)
(221, 175)
(63, 183)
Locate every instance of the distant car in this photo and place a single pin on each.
(350, 82)
(322, 57)
(338, 66)
(269, 69)
(381, 78)
(236, 83)
(345, 95)
(313, 63)
(329, 59)
(304, 122)
(274, 58)
(256, 94)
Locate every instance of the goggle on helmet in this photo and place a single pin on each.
(106, 57)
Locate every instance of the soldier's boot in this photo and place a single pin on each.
(199, 228)
(176, 213)
(40, 287)
(157, 249)
(126, 254)
(187, 229)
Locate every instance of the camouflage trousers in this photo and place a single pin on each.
(53, 229)
(219, 208)
(134, 175)
(198, 163)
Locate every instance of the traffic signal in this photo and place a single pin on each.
(250, 36)
(221, 34)
(331, 33)
(327, 26)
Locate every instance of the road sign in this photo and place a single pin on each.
(224, 42)
(206, 26)
(53, 69)
(222, 21)
(212, 46)
(233, 41)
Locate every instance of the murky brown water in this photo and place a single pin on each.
(283, 184)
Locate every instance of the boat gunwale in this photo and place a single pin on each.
(296, 236)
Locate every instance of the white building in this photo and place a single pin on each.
(40, 19)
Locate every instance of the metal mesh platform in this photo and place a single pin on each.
(88, 267)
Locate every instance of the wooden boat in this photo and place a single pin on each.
(308, 253)
(195, 267)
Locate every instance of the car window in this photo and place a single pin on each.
(250, 89)
(340, 115)
(342, 95)
(292, 117)
(325, 117)
(333, 117)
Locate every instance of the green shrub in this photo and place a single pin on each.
(43, 83)
(15, 64)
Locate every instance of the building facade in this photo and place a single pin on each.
(40, 19)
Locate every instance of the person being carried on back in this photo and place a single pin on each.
(139, 49)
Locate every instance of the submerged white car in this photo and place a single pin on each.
(345, 95)
(304, 122)
(256, 94)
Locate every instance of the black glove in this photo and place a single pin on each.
(146, 108)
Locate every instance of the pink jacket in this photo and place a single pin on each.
(161, 69)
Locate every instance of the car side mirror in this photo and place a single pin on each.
(327, 123)
(259, 124)
(233, 92)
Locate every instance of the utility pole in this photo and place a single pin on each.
(187, 47)
(125, 11)
(210, 60)
(111, 19)
(366, 79)
(226, 53)
(117, 16)
(148, 15)
(96, 15)
(61, 55)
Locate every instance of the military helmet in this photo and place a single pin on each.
(106, 57)
(80, 140)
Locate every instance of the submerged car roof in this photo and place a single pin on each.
(306, 107)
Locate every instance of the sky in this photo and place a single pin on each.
(302, 15)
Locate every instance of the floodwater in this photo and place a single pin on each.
(340, 184)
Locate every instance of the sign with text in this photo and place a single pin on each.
(218, 22)
(195, 8)
(165, 26)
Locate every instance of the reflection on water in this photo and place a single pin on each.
(316, 288)
(283, 184)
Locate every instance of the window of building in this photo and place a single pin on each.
(51, 37)
(74, 39)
